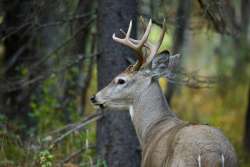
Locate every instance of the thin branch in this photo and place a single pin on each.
(11, 85)
(14, 30)
(14, 58)
(15, 84)
(93, 117)
(64, 128)
(193, 80)
(88, 23)
(63, 21)
(76, 153)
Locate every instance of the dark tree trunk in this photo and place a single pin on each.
(20, 53)
(182, 19)
(245, 13)
(222, 16)
(79, 49)
(247, 125)
(241, 43)
(117, 143)
(84, 79)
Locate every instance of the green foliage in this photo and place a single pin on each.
(46, 158)
(45, 106)
(101, 163)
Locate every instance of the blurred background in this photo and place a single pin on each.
(55, 54)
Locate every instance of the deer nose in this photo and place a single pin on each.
(93, 99)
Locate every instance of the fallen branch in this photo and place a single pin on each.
(76, 153)
(89, 119)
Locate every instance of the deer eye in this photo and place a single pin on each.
(121, 81)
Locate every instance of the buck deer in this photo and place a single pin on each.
(165, 139)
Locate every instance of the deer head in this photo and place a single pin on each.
(124, 88)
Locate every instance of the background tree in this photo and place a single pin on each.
(181, 25)
(79, 49)
(117, 143)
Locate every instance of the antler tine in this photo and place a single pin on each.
(125, 41)
(136, 45)
(154, 48)
(146, 34)
(129, 30)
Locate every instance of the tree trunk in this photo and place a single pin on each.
(245, 13)
(222, 16)
(247, 125)
(117, 143)
(182, 19)
(84, 6)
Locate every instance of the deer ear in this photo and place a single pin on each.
(164, 63)
(161, 60)
(165, 60)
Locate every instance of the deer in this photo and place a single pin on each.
(165, 139)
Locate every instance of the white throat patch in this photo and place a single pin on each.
(131, 111)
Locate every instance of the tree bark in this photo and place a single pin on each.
(222, 15)
(247, 125)
(182, 19)
(84, 6)
(117, 143)
(245, 13)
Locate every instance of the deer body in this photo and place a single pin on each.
(188, 142)
(166, 141)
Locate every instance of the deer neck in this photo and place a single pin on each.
(148, 108)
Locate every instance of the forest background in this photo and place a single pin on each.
(55, 54)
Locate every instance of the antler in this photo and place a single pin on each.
(136, 45)
(155, 47)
